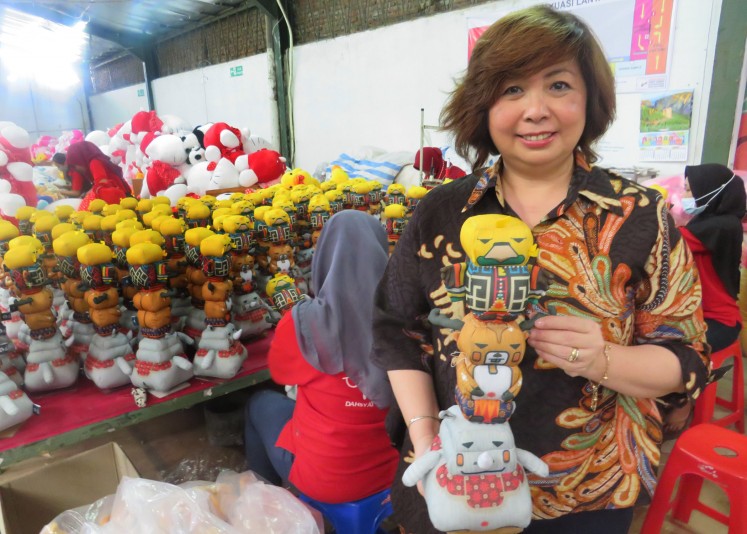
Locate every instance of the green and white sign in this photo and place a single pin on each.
(141, 92)
(237, 71)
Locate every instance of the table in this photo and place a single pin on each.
(84, 411)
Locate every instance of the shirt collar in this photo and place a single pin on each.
(588, 182)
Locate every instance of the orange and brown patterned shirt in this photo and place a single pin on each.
(609, 252)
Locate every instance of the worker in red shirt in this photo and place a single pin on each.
(331, 442)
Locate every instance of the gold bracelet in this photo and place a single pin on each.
(420, 417)
(595, 387)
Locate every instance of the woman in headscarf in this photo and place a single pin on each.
(715, 198)
(331, 443)
(92, 173)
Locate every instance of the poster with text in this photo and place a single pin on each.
(665, 126)
(636, 35)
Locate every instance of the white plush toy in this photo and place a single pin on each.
(15, 406)
(198, 177)
(473, 476)
(225, 175)
(219, 353)
(99, 138)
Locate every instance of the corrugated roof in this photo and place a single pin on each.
(127, 24)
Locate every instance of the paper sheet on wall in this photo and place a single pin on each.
(665, 126)
(636, 35)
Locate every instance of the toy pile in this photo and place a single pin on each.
(151, 292)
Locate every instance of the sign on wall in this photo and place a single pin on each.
(636, 36)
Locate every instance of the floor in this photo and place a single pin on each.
(189, 445)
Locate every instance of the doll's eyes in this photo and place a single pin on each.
(468, 444)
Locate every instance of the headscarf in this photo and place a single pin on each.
(719, 226)
(84, 152)
(335, 329)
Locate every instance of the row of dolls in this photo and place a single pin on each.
(121, 288)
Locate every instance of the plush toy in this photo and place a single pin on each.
(120, 245)
(15, 406)
(49, 364)
(15, 162)
(172, 231)
(223, 141)
(414, 194)
(196, 278)
(241, 231)
(251, 315)
(266, 168)
(160, 363)
(198, 215)
(110, 356)
(8, 231)
(23, 215)
(336, 200)
(395, 194)
(43, 230)
(320, 211)
(474, 477)
(219, 353)
(375, 197)
(396, 220)
(283, 291)
(75, 321)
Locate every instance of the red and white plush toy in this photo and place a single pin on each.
(164, 163)
(223, 141)
(264, 168)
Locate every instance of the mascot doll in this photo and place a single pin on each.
(219, 353)
(160, 364)
(172, 231)
(110, 356)
(395, 194)
(284, 293)
(11, 320)
(120, 245)
(43, 230)
(495, 286)
(75, 322)
(195, 280)
(396, 220)
(15, 406)
(49, 364)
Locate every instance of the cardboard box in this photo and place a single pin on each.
(31, 499)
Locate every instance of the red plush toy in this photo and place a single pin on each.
(267, 165)
(226, 139)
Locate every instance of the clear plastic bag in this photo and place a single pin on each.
(234, 504)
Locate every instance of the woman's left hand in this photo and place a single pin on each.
(573, 344)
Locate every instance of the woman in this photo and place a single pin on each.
(92, 173)
(539, 92)
(716, 198)
(331, 442)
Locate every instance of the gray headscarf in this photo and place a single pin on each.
(334, 329)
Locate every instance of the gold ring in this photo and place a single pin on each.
(574, 355)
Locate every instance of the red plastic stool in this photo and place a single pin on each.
(693, 459)
(705, 406)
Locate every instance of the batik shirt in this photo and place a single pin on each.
(609, 252)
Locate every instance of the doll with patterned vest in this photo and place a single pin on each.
(195, 323)
(160, 363)
(241, 229)
(110, 356)
(120, 245)
(8, 231)
(219, 353)
(396, 221)
(50, 365)
(43, 231)
(172, 231)
(75, 322)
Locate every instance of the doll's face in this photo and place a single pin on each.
(471, 449)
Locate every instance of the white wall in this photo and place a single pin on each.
(114, 107)
(41, 110)
(368, 88)
(211, 94)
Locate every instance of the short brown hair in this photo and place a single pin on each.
(517, 46)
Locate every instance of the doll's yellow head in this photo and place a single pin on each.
(216, 245)
(144, 254)
(197, 210)
(146, 236)
(319, 203)
(172, 226)
(124, 214)
(335, 195)
(109, 223)
(362, 188)
(236, 223)
(121, 236)
(46, 223)
(395, 211)
(92, 222)
(26, 241)
(68, 243)
(62, 228)
(8, 230)
(279, 282)
(395, 189)
(144, 205)
(259, 212)
(338, 175)
(96, 205)
(94, 254)
(128, 203)
(243, 207)
(194, 236)
(110, 209)
(275, 216)
(221, 204)
(19, 257)
(63, 212)
(208, 200)
(161, 201)
(416, 191)
(493, 239)
(24, 213)
(130, 223)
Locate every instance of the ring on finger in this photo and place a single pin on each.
(574, 355)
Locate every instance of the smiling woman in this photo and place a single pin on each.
(538, 92)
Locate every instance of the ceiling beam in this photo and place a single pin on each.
(268, 7)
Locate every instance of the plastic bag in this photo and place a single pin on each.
(234, 504)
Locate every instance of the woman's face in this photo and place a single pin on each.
(537, 121)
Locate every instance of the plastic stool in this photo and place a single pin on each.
(705, 406)
(357, 517)
(695, 458)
